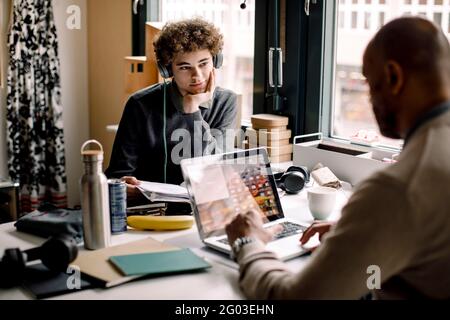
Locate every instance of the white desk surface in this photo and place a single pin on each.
(217, 283)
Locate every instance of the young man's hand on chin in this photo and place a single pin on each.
(191, 101)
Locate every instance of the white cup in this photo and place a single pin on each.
(321, 201)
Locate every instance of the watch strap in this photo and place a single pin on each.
(238, 244)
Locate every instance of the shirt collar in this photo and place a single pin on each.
(428, 116)
(177, 98)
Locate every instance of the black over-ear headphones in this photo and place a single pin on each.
(293, 180)
(56, 254)
(166, 70)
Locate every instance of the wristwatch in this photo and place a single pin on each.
(238, 244)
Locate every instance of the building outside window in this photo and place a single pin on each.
(358, 21)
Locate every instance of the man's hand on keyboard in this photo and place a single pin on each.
(317, 227)
(250, 224)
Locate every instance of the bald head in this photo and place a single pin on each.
(407, 67)
(416, 44)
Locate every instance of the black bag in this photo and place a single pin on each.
(51, 221)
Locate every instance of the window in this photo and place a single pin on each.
(381, 18)
(351, 111)
(367, 17)
(437, 18)
(238, 28)
(341, 19)
(354, 20)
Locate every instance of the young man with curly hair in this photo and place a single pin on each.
(185, 117)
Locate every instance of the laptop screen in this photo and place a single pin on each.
(221, 186)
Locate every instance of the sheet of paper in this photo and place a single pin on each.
(163, 188)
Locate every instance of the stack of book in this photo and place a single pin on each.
(111, 266)
(271, 131)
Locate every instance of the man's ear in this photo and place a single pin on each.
(394, 76)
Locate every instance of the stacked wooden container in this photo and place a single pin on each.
(271, 131)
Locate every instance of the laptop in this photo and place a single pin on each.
(223, 185)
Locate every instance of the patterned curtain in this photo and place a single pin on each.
(34, 113)
(2, 17)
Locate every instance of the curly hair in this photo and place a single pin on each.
(186, 36)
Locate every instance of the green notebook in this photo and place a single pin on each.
(159, 262)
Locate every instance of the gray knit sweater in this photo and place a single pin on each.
(139, 147)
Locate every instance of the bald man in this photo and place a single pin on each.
(393, 238)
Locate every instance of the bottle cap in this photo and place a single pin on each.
(91, 155)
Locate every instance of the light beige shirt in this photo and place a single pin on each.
(397, 220)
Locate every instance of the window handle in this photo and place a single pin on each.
(135, 5)
(307, 5)
(275, 59)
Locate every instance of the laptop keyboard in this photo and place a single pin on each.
(289, 229)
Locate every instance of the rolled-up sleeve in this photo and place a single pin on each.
(371, 233)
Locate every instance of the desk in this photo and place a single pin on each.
(217, 283)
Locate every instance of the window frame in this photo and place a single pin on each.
(138, 21)
(321, 92)
(295, 69)
(328, 43)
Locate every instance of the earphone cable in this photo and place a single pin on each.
(164, 132)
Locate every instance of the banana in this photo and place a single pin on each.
(160, 222)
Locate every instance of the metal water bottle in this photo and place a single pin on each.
(94, 199)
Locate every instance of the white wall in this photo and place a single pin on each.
(74, 78)
(74, 84)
